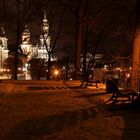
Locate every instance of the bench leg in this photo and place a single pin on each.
(115, 99)
(133, 97)
(96, 85)
(112, 98)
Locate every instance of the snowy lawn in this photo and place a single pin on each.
(64, 114)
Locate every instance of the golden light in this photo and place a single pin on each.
(128, 75)
(56, 72)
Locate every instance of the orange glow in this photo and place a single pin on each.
(56, 72)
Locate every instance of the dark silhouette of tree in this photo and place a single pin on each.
(136, 49)
(104, 32)
(23, 11)
(98, 14)
(50, 49)
(37, 68)
(99, 25)
(9, 63)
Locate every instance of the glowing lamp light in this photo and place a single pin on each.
(24, 69)
(56, 72)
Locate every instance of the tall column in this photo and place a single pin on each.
(136, 62)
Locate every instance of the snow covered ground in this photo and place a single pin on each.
(29, 110)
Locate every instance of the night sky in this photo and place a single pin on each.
(111, 21)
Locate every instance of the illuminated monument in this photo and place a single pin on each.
(44, 42)
(26, 45)
(3, 47)
(40, 50)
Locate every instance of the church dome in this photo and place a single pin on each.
(26, 31)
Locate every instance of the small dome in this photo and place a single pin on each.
(45, 20)
(26, 30)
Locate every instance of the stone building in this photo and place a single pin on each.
(39, 50)
(3, 47)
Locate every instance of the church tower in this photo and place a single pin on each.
(45, 25)
(45, 39)
(26, 45)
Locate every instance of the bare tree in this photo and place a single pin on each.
(50, 49)
(105, 31)
(24, 11)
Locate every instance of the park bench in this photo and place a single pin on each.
(95, 82)
(86, 83)
(119, 95)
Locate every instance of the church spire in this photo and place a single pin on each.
(45, 19)
(45, 26)
(45, 14)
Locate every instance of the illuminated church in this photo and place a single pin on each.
(40, 50)
(3, 47)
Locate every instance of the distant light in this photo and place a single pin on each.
(24, 69)
(26, 65)
(119, 69)
(105, 67)
(19, 68)
(128, 75)
(56, 72)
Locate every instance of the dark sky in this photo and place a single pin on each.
(111, 21)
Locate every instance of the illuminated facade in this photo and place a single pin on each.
(3, 47)
(40, 50)
(44, 42)
(26, 45)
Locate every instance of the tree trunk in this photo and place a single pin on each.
(17, 43)
(136, 62)
(136, 51)
(78, 46)
(85, 76)
(49, 66)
